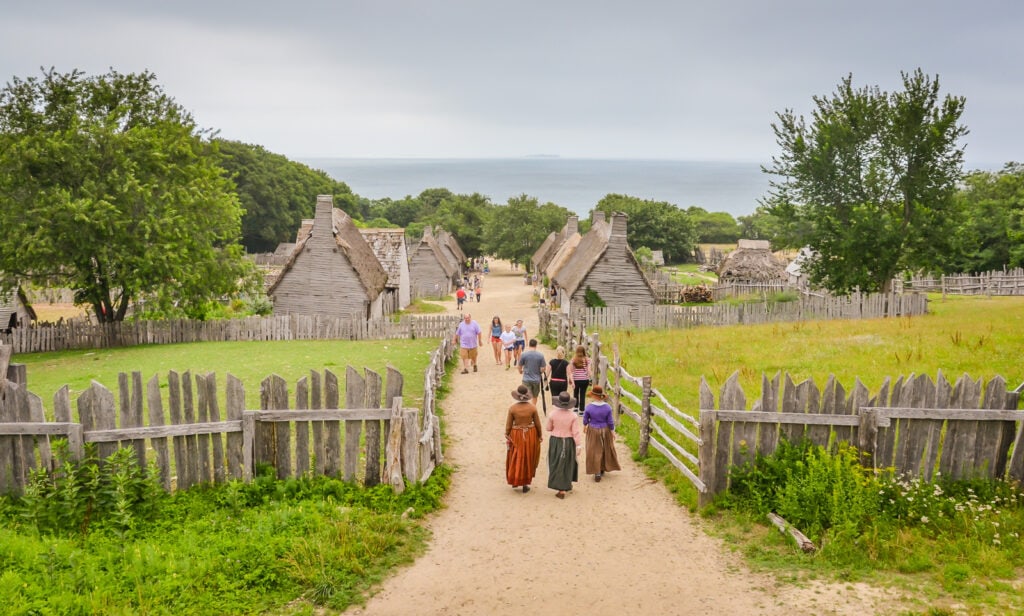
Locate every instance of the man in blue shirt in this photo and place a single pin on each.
(469, 337)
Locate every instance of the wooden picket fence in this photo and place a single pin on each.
(912, 427)
(998, 282)
(83, 335)
(192, 442)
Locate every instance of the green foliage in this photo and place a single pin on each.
(656, 224)
(114, 494)
(592, 300)
(277, 193)
(108, 187)
(991, 234)
(464, 216)
(515, 231)
(869, 183)
(714, 227)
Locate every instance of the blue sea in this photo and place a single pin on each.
(574, 183)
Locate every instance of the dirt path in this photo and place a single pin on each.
(618, 547)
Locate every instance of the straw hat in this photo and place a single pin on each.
(597, 392)
(522, 394)
(564, 401)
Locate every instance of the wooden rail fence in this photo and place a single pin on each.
(1008, 282)
(79, 335)
(192, 442)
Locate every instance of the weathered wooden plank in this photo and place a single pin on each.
(302, 466)
(37, 415)
(136, 416)
(282, 449)
(912, 432)
(768, 434)
(203, 440)
(821, 434)
(793, 433)
(393, 389)
(319, 443)
(25, 453)
(45, 428)
(220, 473)
(731, 397)
(113, 435)
(374, 385)
(263, 432)
(885, 434)
(191, 442)
(682, 468)
(156, 420)
(393, 464)
(707, 453)
(332, 429)
(237, 468)
(784, 418)
(355, 394)
(957, 458)
(411, 444)
(993, 446)
(8, 444)
(182, 479)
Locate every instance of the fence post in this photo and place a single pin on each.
(618, 383)
(645, 419)
(867, 437)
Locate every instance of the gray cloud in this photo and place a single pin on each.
(647, 79)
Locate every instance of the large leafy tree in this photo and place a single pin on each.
(465, 217)
(515, 231)
(992, 231)
(108, 187)
(658, 225)
(277, 193)
(870, 181)
(714, 227)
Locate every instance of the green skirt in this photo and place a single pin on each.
(563, 469)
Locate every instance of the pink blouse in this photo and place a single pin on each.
(563, 423)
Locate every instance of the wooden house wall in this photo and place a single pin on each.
(617, 280)
(322, 281)
(426, 271)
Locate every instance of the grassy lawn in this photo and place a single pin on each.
(249, 361)
(689, 273)
(975, 562)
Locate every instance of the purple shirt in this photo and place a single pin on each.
(468, 334)
(598, 415)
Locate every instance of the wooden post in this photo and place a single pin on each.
(706, 450)
(238, 468)
(618, 383)
(374, 385)
(645, 418)
(393, 466)
(867, 437)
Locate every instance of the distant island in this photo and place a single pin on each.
(542, 156)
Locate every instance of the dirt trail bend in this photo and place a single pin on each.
(618, 547)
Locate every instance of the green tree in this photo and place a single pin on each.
(277, 193)
(108, 187)
(714, 227)
(870, 181)
(992, 233)
(657, 225)
(464, 216)
(515, 231)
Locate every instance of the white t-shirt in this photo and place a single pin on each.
(508, 339)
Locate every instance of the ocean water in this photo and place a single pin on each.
(574, 183)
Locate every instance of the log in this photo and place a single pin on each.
(801, 539)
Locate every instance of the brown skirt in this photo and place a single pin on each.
(523, 456)
(601, 456)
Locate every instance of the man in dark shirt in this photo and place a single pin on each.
(533, 367)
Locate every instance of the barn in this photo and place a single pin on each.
(332, 271)
(604, 264)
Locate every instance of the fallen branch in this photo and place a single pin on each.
(801, 539)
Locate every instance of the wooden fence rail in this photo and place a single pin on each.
(78, 335)
(372, 438)
(1009, 282)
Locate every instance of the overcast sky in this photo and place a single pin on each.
(577, 78)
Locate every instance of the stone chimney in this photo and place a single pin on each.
(572, 227)
(428, 233)
(598, 216)
(324, 218)
(617, 237)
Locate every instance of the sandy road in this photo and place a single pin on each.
(622, 546)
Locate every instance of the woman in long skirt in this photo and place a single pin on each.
(565, 442)
(599, 424)
(523, 438)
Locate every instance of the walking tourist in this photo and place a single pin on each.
(520, 331)
(470, 338)
(556, 373)
(599, 427)
(496, 339)
(508, 344)
(460, 297)
(522, 439)
(565, 441)
(579, 374)
(532, 366)
(478, 290)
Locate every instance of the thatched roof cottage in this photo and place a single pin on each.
(552, 244)
(431, 271)
(389, 246)
(452, 251)
(752, 261)
(603, 263)
(15, 311)
(332, 271)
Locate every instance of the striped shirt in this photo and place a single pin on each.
(581, 373)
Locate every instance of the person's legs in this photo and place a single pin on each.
(464, 355)
(472, 357)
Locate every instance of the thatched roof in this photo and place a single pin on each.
(429, 243)
(545, 248)
(16, 303)
(752, 261)
(447, 239)
(546, 253)
(562, 255)
(592, 248)
(388, 245)
(371, 273)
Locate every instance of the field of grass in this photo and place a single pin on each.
(249, 361)
(983, 337)
(689, 273)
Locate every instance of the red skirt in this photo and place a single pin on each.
(523, 455)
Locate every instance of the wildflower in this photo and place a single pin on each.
(924, 519)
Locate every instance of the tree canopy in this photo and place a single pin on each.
(277, 193)
(869, 182)
(515, 231)
(658, 225)
(108, 187)
(714, 227)
(992, 232)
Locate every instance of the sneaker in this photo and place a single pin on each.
(474, 367)
(465, 371)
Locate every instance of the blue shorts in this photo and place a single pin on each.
(520, 344)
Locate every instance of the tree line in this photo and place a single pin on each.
(109, 187)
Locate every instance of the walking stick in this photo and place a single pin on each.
(543, 396)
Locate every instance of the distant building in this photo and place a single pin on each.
(389, 246)
(433, 273)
